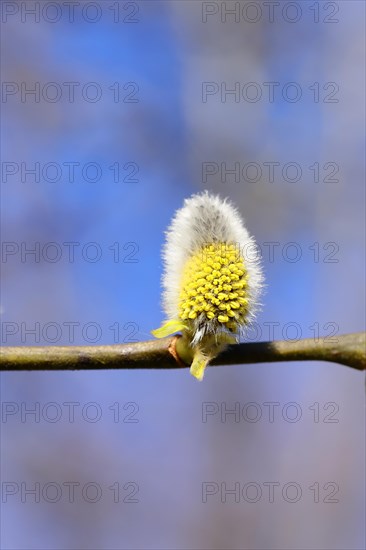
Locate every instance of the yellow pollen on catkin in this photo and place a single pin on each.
(214, 283)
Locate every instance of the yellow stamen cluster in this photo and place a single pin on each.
(214, 282)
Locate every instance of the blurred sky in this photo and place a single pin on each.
(159, 133)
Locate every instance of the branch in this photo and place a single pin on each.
(172, 352)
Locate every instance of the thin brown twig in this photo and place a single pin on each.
(172, 352)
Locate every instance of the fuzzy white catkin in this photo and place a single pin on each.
(206, 219)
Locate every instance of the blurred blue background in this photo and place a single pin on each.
(148, 134)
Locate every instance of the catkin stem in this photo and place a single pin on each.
(173, 352)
